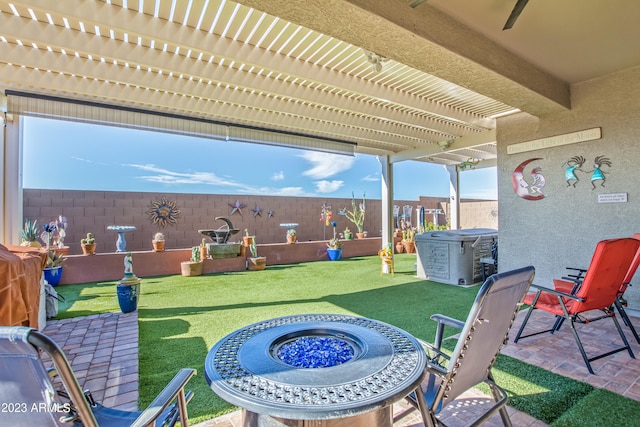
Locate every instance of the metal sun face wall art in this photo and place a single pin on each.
(164, 212)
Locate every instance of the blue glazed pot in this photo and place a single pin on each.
(53, 275)
(334, 254)
(128, 297)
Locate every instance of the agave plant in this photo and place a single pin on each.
(55, 259)
(29, 233)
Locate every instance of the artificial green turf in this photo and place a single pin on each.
(601, 408)
(181, 318)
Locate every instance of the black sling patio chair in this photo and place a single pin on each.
(31, 399)
(481, 338)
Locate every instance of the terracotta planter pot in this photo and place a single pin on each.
(409, 247)
(158, 245)
(257, 263)
(399, 248)
(88, 249)
(189, 268)
(64, 251)
(360, 235)
(247, 240)
(291, 239)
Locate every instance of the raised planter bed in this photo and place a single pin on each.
(110, 266)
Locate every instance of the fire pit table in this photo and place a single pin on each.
(316, 370)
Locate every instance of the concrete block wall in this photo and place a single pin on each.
(94, 211)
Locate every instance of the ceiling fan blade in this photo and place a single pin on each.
(417, 3)
(517, 10)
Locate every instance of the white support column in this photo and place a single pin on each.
(11, 181)
(387, 200)
(454, 197)
(3, 138)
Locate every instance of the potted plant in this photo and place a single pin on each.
(29, 234)
(54, 234)
(246, 239)
(356, 215)
(88, 245)
(334, 247)
(158, 242)
(408, 240)
(53, 270)
(255, 262)
(193, 267)
(348, 235)
(291, 235)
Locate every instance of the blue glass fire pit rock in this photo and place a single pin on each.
(316, 352)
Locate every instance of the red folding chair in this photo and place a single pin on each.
(568, 283)
(599, 289)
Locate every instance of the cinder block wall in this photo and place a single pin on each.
(94, 211)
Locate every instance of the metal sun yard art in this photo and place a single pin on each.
(164, 212)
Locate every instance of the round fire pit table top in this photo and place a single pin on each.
(244, 367)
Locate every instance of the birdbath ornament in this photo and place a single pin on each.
(121, 243)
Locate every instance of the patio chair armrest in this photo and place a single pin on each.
(174, 389)
(442, 322)
(578, 275)
(553, 291)
(446, 320)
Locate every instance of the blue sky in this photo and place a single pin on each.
(79, 156)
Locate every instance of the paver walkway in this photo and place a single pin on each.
(103, 351)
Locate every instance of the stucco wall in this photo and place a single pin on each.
(562, 229)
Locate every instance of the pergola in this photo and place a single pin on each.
(388, 78)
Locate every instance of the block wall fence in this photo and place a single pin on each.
(94, 211)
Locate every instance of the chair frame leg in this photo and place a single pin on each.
(588, 360)
(625, 318)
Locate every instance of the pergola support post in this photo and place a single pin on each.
(10, 177)
(387, 200)
(454, 197)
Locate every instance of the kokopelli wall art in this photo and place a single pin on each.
(575, 170)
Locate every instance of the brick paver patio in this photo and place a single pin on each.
(103, 350)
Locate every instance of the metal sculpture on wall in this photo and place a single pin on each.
(522, 188)
(164, 212)
(257, 211)
(597, 174)
(237, 207)
(573, 164)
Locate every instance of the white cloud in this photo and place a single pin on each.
(278, 176)
(372, 178)
(166, 176)
(328, 186)
(81, 159)
(325, 165)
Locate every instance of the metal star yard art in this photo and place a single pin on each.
(270, 213)
(237, 206)
(257, 211)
